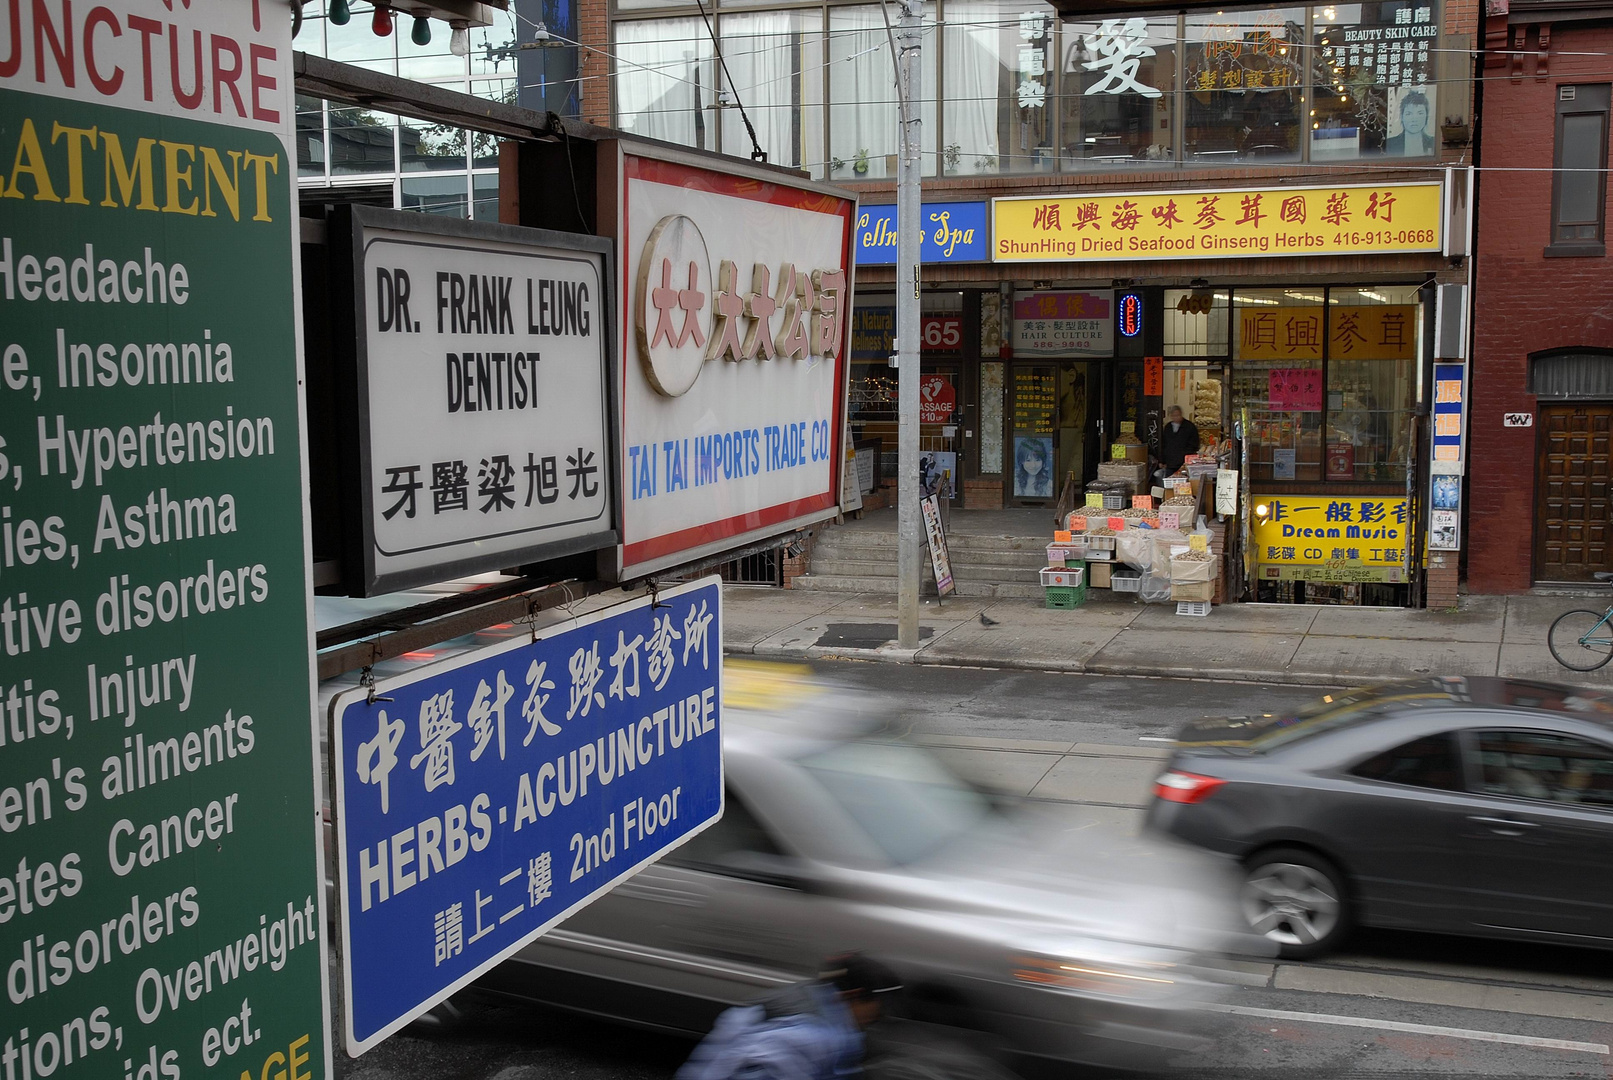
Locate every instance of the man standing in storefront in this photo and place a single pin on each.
(1179, 439)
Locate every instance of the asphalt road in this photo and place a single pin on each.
(1391, 1006)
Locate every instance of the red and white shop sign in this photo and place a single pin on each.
(941, 333)
(735, 288)
(938, 398)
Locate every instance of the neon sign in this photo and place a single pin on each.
(1129, 314)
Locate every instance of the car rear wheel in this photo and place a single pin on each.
(1296, 900)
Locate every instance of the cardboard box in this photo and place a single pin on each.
(1135, 452)
(1133, 473)
(1192, 590)
(1099, 575)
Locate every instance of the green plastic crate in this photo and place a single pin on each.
(1065, 597)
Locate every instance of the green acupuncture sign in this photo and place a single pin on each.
(160, 889)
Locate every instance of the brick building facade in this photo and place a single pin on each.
(1543, 320)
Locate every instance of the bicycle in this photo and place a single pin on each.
(1582, 640)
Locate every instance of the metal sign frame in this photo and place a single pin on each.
(387, 690)
(358, 480)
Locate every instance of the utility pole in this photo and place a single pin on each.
(910, 530)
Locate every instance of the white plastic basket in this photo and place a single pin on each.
(1199, 608)
(1122, 582)
(1066, 577)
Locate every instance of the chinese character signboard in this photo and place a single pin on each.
(736, 287)
(482, 367)
(1381, 332)
(951, 233)
(1309, 538)
(1239, 223)
(1294, 388)
(161, 910)
(481, 801)
(1064, 323)
(1449, 419)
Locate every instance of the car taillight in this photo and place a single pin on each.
(1185, 787)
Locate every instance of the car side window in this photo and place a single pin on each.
(1545, 767)
(1433, 761)
(735, 833)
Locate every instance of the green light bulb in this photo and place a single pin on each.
(421, 34)
(339, 12)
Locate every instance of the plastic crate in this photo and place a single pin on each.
(1064, 577)
(1115, 502)
(1126, 581)
(1098, 541)
(1198, 608)
(1064, 554)
(1059, 596)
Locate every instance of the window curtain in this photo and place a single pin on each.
(664, 81)
(862, 94)
(1578, 375)
(776, 62)
(973, 83)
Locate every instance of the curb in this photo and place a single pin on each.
(1328, 680)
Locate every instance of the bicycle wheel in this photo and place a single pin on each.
(1581, 640)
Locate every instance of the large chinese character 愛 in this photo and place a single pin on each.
(586, 672)
(437, 729)
(1119, 50)
(486, 717)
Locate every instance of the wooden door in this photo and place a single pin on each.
(1572, 508)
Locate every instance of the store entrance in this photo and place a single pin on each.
(1572, 499)
(1051, 413)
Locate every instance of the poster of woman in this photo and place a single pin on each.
(1411, 112)
(1033, 466)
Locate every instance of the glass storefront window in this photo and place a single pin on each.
(361, 142)
(1196, 322)
(436, 195)
(775, 59)
(357, 44)
(1244, 84)
(1374, 80)
(1277, 348)
(428, 147)
(492, 48)
(665, 81)
(1119, 88)
(1373, 344)
(863, 136)
(310, 136)
(1000, 75)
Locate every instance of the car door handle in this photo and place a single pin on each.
(1505, 826)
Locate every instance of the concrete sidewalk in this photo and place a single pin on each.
(1117, 635)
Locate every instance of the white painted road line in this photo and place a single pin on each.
(1416, 1029)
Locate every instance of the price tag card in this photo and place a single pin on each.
(1117, 523)
(1078, 523)
(1061, 536)
(1170, 519)
(1198, 542)
(1128, 427)
(1095, 500)
(1117, 451)
(1142, 502)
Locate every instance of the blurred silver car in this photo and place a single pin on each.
(1049, 935)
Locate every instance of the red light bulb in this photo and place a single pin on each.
(382, 22)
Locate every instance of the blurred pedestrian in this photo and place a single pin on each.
(810, 1031)
(1179, 438)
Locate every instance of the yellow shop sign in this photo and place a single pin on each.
(1339, 539)
(1240, 223)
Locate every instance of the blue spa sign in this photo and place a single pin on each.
(482, 800)
(954, 232)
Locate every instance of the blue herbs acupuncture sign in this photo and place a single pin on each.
(483, 800)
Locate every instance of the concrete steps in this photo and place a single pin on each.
(864, 560)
